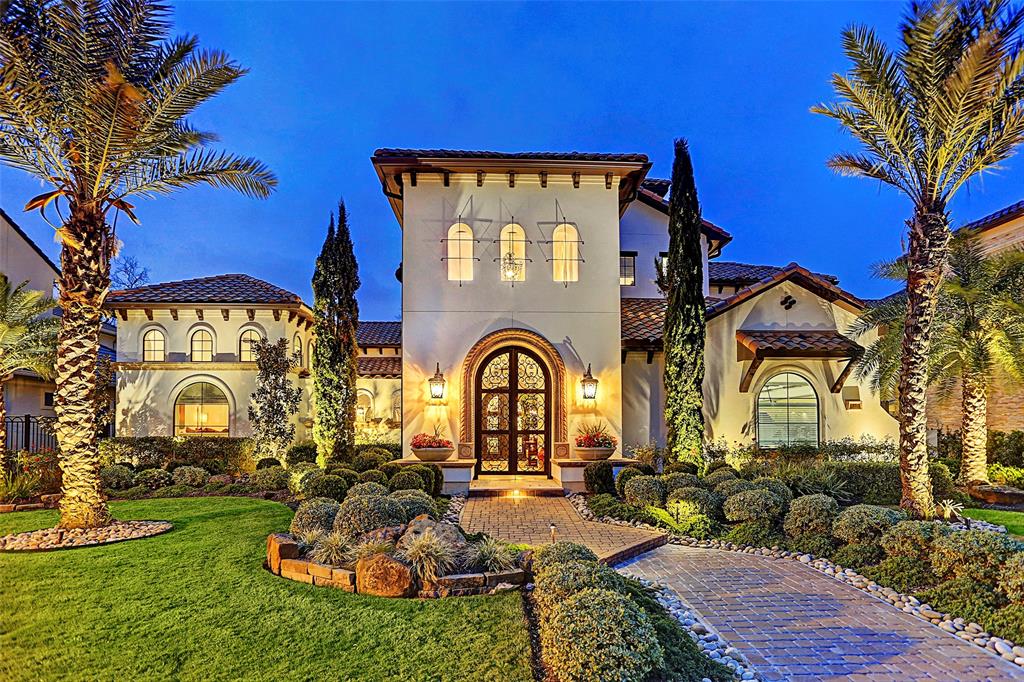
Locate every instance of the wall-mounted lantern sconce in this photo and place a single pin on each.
(436, 384)
(589, 385)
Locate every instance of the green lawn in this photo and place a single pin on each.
(196, 603)
(1014, 521)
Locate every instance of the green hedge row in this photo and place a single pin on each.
(216, 455)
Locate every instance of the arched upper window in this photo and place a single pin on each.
(460, 253)
(310, 356)
(787, 412)
(202, 409)
(297, 349)
(201, 346)
(565, 253)
(364, 406)
(154, 346)
(396, 406)
(246, 351)
(513, 253)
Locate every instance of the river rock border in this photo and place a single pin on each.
(454, 510)
(54, 539)
(958, 627)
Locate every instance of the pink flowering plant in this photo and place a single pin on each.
(434, 440)
(595, 436)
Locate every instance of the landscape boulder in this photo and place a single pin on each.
(384, 576)
(445, 531)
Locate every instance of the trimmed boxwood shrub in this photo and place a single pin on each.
(363, 513)
(368, 488)
(134, 493)
(716, 465)
(373, 476)
(268, 462)
(116, 477)
(902, 573)
(858, 555)
(408, 480)
(777, 487)
(189, 475)
(677, 480)
(913, 539)
(943, 486)
(686, 518)
(709, 503)
(152, 478)
(298, 473)
(963, 598)
(390, 468)
(755, 533)
(681, 468)
(425, 474)
(314, 514)
(811, 515)
(623, 478)
(301, 452)
(608, 505)
(562, 580)
(822, 546)
(367, 460)
(713, 478)
(864, 523)
(1007, 623)
(351, 477)
(271, 478)
(753, 505)
(415, 502)
(559, 552)
(1011, 579)
(974, 554)
(644, 491)
(330, 486)
(732, 486)
(599, 477)
(600, 636)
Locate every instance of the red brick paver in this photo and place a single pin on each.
(796, 624)
(528, 520)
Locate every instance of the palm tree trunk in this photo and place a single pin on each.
(85, 277)
(3, 431)
(974, 431)
(929, 240)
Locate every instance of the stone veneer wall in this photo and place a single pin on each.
(1005, 408)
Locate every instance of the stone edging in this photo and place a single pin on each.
(45, 502)
(56, 539)
(958, 627)
(283, 560)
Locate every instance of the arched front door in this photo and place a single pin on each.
(513, 413)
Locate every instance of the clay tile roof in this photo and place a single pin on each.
(745, 273)
(659, 186)
(798, 343)
(384, 366)
(643, 320)
(993, 219)
(234, 289)
(370, 333)
(807, 279)
(511, 156)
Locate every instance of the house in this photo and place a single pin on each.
(522, 275)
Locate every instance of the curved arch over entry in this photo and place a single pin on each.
(544, 351)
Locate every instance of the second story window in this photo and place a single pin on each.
(153, 346)
(565, 252)
(513, 253)
(297, 349)
(460, 253)
(627, 268)
(201, 347)
(246, 352)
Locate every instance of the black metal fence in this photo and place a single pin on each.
(30, 433)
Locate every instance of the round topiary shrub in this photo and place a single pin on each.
(681, 468)
(777, 487)
(330, 486)
(864, 523)
(367, 489)
(424, 473)
(688, 520)
(267, 462)
(821, 546)
(351, 477)
(373, 476)
(599, 478)
(902, 573)
(600, 636)
(732, 486)
(713, 478)
(714, 466)
(913, 539)
(314, 514)
(645, 491)
(562, 580)
(753, 505)
(858, 555)
(975, 554)
(559, 552)
(116, 477)
(677, 480)
(363, 513)
(438, 487)
(367, 460)
(301, 452)
(415, 502)
(407, 480)
(1007, 623)
(709, 503)
(152, 478)
(193, 476)
(299, 475)
(811, 515)
(390, 468)
(755, 533)
(270, 478)
(623, 478)
(964, 598)
(1011, 579)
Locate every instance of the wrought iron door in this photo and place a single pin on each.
(513, 413)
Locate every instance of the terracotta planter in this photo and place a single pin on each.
(433, 454)
(594, 454)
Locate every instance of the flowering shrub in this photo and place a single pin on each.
(44, 465)
(434, 440)
(595, 436)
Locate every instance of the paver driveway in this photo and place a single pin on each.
(796, 624)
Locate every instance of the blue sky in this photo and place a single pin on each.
(330, 82)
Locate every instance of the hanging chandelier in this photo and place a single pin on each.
(510, 266)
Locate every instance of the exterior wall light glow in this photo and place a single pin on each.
(436, 384)
(589, 385)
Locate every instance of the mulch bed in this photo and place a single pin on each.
(48, 539)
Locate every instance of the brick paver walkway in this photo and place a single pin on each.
(796, 624)
(529, 519)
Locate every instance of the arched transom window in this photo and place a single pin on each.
(201, 346)
(202, 410)
(460, 253)
(364, 406)
(246, 351)
(154, 346)
(565, 253)
(787, 412)
(513, 253)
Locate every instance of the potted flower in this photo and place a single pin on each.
(432, 447)
(593, 441)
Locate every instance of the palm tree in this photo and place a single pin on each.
(977, 338)
(942, 109)
(94, 101)
(28, 338)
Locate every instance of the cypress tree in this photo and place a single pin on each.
(684, 317)
(335, 282)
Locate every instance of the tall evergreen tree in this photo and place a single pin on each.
(335, 283)
(684, 319)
